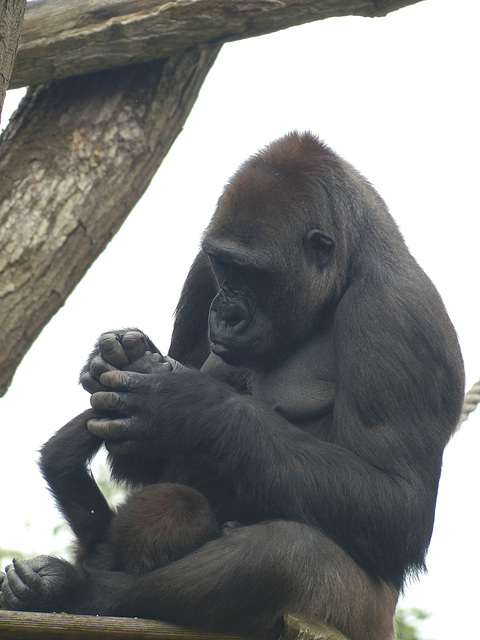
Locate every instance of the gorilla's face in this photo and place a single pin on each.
(263, 308)
(271, 249)
(241, 326)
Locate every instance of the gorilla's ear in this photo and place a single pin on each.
(321, 244)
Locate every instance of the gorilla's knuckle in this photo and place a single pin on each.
(136, 337)
(107, 341)
(107, 400)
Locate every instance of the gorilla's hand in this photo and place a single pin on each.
(145, 412)
(39, 584)
(127, 350)
(132, 404)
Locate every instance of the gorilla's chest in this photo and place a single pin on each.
(303, 387)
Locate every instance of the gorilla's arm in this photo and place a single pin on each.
(271, 460)
(44, 583)
(64, 464)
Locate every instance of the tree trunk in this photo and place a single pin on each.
(62, 38)
(74, 160)
(11, 19)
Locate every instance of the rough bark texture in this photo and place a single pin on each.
(11, 19)
(62, 38)
(74, 160)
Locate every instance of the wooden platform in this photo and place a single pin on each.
(42, 626)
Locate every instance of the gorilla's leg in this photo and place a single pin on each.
(243, 583)
(246, 581)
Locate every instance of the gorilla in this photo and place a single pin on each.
(319, 383)
(155, 526)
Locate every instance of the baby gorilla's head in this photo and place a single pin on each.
(158, 525)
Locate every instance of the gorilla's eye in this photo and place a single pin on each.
(221, 269)
(319, 241)
(321, 244)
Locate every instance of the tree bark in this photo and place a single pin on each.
(62, 38)
(74, 160)
(11, 19)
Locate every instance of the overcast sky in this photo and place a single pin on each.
(399, 98)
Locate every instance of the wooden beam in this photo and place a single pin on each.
(22, 625)
(62, 38)
(298, 629)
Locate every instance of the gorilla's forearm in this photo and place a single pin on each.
(63, 463)
(70, 448)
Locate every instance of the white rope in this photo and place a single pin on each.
(472, 400)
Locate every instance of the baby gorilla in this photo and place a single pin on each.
(158, 525)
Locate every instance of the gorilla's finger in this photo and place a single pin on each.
(175, 365)
(8, 600)
(37, 563)
(135, 345)
(108, 401)
(90, 384)
(107, 429)
(150, 363)
(125, 379)
(112, 350)
(24, 576)
(98, 366)
(14, 589)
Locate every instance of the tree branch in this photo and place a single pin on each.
(11, 18)
(74, 160)
(62, 38)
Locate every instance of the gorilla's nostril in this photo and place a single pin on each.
(233, 321)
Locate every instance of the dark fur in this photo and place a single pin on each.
(158, 525)
(319, 419)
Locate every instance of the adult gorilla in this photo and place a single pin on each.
(330, 382)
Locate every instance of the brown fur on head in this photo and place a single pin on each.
(160, 524)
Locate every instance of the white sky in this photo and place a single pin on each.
(399, 98)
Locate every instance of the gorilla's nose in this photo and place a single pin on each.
(235, 318)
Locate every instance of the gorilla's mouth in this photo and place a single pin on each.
(220, 348)
(236, 352)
